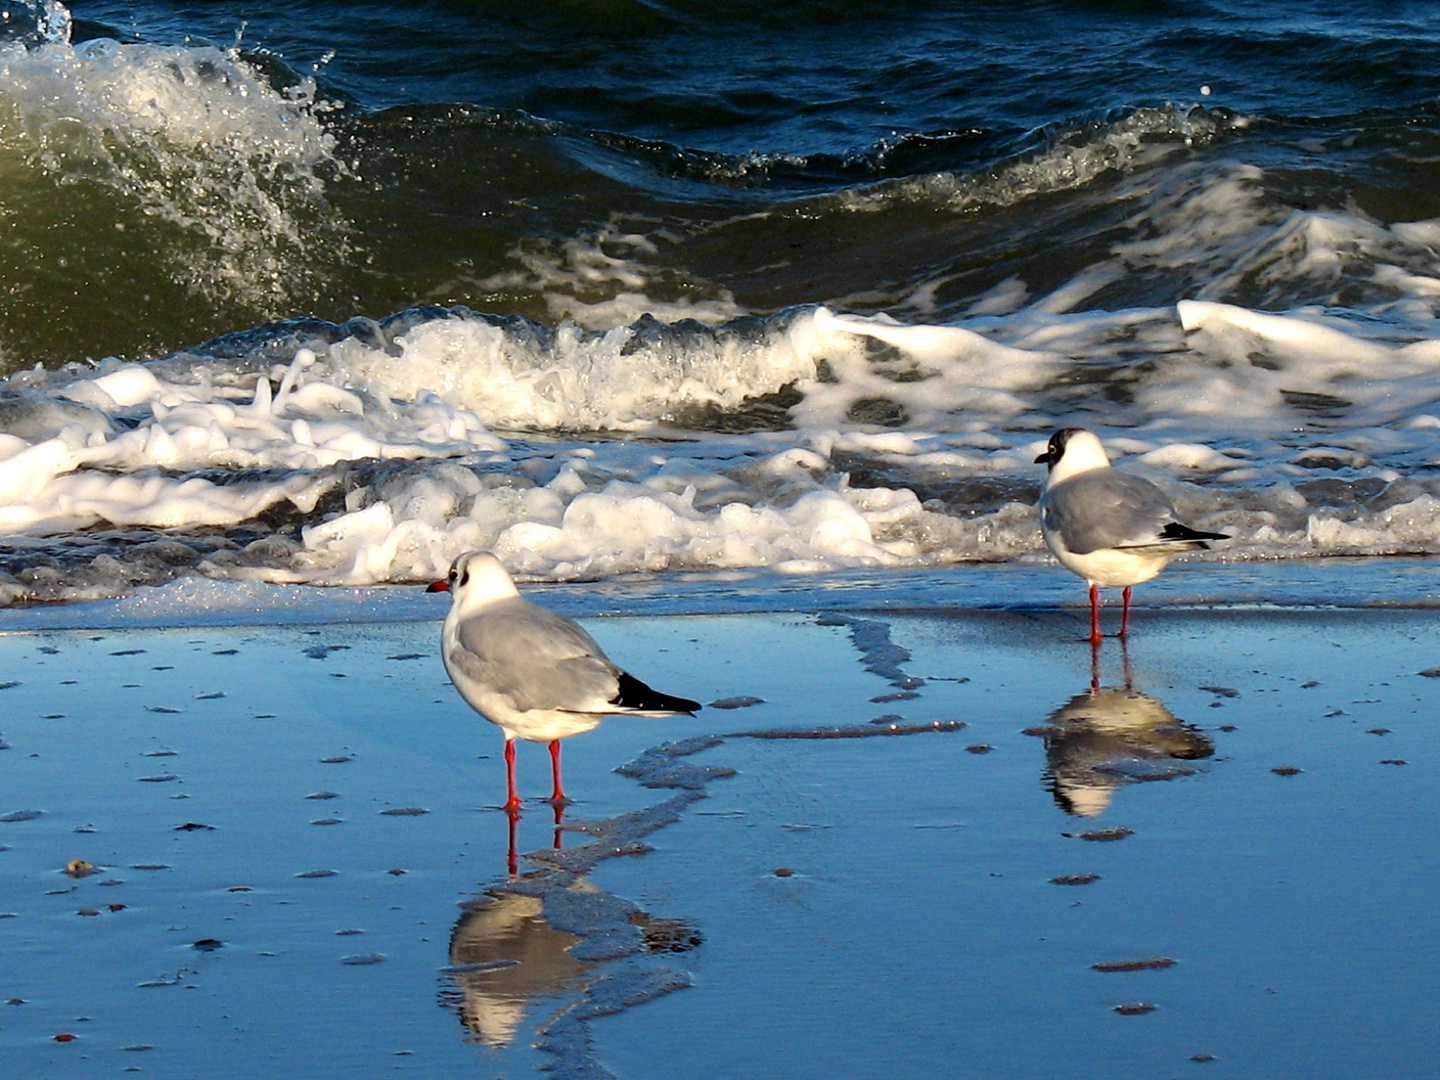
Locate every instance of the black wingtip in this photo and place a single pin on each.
(1179, 532)
(634, 694)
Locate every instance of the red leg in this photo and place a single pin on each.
(557, 796)
(1094, 614)
(513, 802)
(1125, 615)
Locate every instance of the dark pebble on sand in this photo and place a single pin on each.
(319, 652)
(740, 702)
(1103, 836)
(1156, 963)
(1074, 879)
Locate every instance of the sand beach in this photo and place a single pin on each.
(900, 841)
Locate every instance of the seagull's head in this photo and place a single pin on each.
(1073, 450)
(477, 577)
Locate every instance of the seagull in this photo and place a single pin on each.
(1108, 527)
(532, 672)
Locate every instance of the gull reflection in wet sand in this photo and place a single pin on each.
(1113, 735)
(512, 858)
(503, 954)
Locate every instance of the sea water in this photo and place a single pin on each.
(332, 297)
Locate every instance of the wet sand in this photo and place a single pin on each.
(1221, 864)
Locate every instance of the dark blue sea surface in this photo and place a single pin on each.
(778, 153)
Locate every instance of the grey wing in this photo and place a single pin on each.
(536, 658)
(1104, 508)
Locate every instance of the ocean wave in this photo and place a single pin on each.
(1068, 157)
(953, 167)
(173, 177)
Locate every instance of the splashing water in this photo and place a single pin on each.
(181, 170)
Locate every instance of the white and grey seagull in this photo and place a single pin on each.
(534, 673)
(1109, 527)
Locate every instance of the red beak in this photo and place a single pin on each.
(438, 586)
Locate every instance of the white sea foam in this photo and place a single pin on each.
(1303, 433)
(610, 277)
